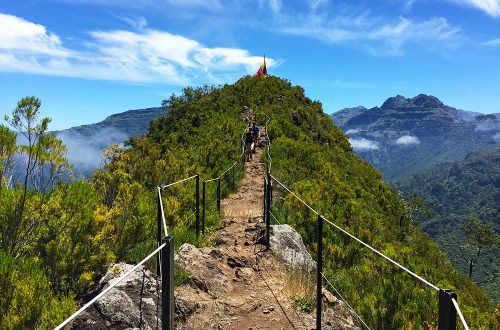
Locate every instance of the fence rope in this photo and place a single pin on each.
(103, 292)
(162, 212)
(271, 213)
(177, 182)
(358, 240)
(294, 195)
(423, 280)
(187, 219)
(345, 301)
(455, 303)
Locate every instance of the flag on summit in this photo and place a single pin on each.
(262, 72)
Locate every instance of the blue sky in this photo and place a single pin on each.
(87, 59)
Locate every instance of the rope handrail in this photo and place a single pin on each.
(160, 199)
(455, 303)
(271, 213)
(345, 301)
(177, 182)
(87, 305)
(360, 241)
(187, 219)
(294, 195)
(423, 280)
(228, 169)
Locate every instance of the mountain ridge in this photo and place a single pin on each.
(406, 135)
(86, 143)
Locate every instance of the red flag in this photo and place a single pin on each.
(263, 69)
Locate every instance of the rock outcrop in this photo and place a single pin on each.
(131, 304)
(288, 246)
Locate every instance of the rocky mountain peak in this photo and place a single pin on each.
(395, 102)
(427, 101)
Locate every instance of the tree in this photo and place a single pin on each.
(45, 161)
(8, 149)
(480, 238)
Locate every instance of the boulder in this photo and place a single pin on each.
(288, 245)
(121, 307)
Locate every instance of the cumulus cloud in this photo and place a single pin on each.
(496, 137)
(353, 131)
(20, 36)
(146, 55)
(407, 140)
(363, 144)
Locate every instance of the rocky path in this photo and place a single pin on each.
(232, 283)
(236, 284)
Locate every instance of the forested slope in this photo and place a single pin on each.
(456, 191)
(73, 230)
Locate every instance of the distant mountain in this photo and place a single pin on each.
(86, 143)
(343, 115)
(457, 190)
(407, 135)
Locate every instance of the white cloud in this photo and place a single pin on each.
(493, 42)
(146, 55)
(352, 131)
(407, 140)
(363, 144)
(488, 125)
(490, 7)
(18, 35)
(137, 22)
(379, 35)
(496, 137)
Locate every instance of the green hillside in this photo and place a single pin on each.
(112, 217)
(455, 191)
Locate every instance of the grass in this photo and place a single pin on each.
(300, 287)
(181, 276)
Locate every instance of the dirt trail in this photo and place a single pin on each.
(238, 285)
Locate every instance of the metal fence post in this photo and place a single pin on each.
(234, 183)
(268, 211)
(167, 284)
(447, 313)
(203, 208)
(218, 194)
(264, 202)
(158, 230)
(319, 271)
(197, 196)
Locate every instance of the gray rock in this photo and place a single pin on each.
(121, 307)
(288, 245)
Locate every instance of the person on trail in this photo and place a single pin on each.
(249, 144)
(255, 134)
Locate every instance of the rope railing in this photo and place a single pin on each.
(448, 295)
(177, 182)
(102, 293)
(457, 308)
(345, 301)
(162, 212)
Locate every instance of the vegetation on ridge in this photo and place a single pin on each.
(113, 216)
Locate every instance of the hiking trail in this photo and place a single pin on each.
(245, 283)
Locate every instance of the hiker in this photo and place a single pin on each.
(255, 134)
(249, 144)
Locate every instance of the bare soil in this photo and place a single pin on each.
(245, 288)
